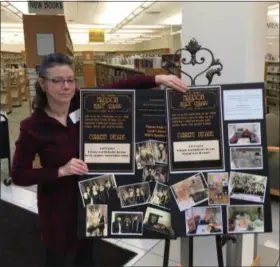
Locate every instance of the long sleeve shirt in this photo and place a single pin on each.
(56, 144)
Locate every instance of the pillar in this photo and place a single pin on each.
(236, 34)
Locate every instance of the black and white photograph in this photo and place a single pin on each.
(159, 151)
(134, 194)
(127, 223)
(96, 220)
(247, 186)
(161, 196)
(144, 154)
(190, 192)
(204, 220)
(250, 158)
(155, 173)
(244, 134)
(98, 190)
(158, 220)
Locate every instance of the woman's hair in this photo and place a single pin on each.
(40, 100)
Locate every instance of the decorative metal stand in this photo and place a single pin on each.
(214, 68)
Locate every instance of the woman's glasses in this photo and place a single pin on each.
(60, 81)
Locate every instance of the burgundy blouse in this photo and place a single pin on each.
(56, 145)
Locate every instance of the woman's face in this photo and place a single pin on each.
(59, 85)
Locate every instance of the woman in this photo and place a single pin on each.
(50, 133)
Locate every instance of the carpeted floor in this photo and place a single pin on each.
(20, 243)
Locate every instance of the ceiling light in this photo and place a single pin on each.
(22, 6)
(144, 26)
(173, 20)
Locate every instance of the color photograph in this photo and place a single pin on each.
(245, 219)
(155, 173)
(204, 221)
(144, 154)
(158, 220)
(134, 194)
(244, 134)
(127, 223)
(218, 188)
(96, 220)
(190, 192)
(247, 186)
(161, 196)
(246, 158)
(98, 190)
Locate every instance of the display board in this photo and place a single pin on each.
(165, 164)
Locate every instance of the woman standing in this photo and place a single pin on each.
(50, 133)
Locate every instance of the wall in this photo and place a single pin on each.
(104, 47)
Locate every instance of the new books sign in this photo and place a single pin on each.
(46, 7)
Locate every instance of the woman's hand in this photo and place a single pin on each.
(73, 167)
(171, 81)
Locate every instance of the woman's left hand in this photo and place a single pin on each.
(171, 81)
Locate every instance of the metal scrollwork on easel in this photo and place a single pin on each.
(214, 68)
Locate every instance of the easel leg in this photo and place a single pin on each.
(187, 251)
(219, 251)
(190, 252)
(166, 253)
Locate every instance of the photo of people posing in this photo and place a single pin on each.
(155, 174)
(247, 186)
(96, 220)
(245, 219)
(204, 221)
(246, 158)
(244, 134)
(190, 191)
(161, 196)
(98, 190)
(158, 220)
(218, 188)
(127, 223)
(134, 194)
(150, 152)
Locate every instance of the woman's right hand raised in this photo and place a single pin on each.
(73, 167)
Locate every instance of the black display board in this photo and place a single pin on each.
(226, 192)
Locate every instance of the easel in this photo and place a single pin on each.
(192, 48)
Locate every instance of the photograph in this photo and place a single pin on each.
(144, 154)
(127, 223)
(161, 196)
(134, 194)
(96, 220)
(98, 190)
(245, 219)
(204, 221)
(246, 158)
(244, 134)
(218, 188)
(247, 186)
(158, 220)
(190, 192)
(159, 151)
(155, 173)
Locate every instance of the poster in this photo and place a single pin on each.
(162, 191)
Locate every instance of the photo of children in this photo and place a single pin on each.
(204, 221)
(218, 188)
(96, 220)
(161, 196)
(155, 174)
(247, 186)
(127, 223)
(245, 219)
(190, 192)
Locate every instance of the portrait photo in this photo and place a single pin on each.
(96, 220)
(144, 154)
(204, 221)
(161, 196)
(127, 223)
(218, 188)
(155, 173)
(98, 190)
(159, 151)
(246, 158)
(244, 134)
(134, 194)
(190, 192)
(247, 186)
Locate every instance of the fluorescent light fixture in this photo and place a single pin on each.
(22, 6)
(135, 31)
(173, 20)
(144, 26)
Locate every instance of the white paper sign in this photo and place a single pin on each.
(45, 44)
(107, 153)
(243, 104)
